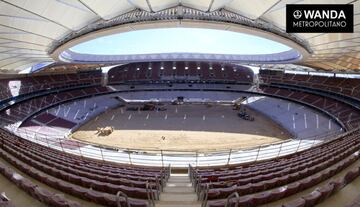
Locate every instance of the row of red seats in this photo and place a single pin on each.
(220, 179)
(325, 191)
(346, 86)
(327, 160)
(276, 194)
(4, 200)
(355, 202)
(288, 175)
(39, 193)
(87, 165)
(23, 109)
(119, 177)
(347, 114)
(157, 71)
(102, 186)
(75, 190)
(30, 84)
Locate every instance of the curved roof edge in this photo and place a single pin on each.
(282, 57)
(180, 16)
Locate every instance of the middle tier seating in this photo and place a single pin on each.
(28, 84)
(345, 113)
(345, 86)
(20, 111)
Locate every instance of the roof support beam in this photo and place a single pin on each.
(267, 10)
(210, 5)
(15, 28)
(21, 41)
(47, 19)
(90, 9)
(149, 5)
(24, 59)
(21, 48)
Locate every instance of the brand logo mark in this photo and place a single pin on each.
(297, 14)
(319, 18)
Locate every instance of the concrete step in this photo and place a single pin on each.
(173, 180)
(177, 197)
(179, 179)
(178, 192)
(168, 184)
(178, 189)
(177, 204)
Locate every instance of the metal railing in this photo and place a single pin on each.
(173, 157)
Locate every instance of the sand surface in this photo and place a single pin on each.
(183, 128)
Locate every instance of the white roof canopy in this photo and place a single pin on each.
(30, 28)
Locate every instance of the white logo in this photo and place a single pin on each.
(297, 14)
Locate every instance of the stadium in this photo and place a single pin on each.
(178, 103)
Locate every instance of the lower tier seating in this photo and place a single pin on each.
(39, 193)
(268, 181)
(355, 202)
(99, 182)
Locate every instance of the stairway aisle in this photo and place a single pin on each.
(178, 193)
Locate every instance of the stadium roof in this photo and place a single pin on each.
(38, 31)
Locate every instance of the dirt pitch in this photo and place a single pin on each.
(182, 128)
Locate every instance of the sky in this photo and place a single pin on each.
(179, 40)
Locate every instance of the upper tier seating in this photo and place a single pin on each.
(180, 71)
(346, 86)
(17, 86)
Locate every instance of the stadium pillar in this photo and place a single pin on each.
(101, 152)
(162, 158)
(298, 146)
(129, 157)
(228, 161)
(62, 149)
(280, 149)
(79, 148)
(196, 161)
(104, 79)
(257, 155)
